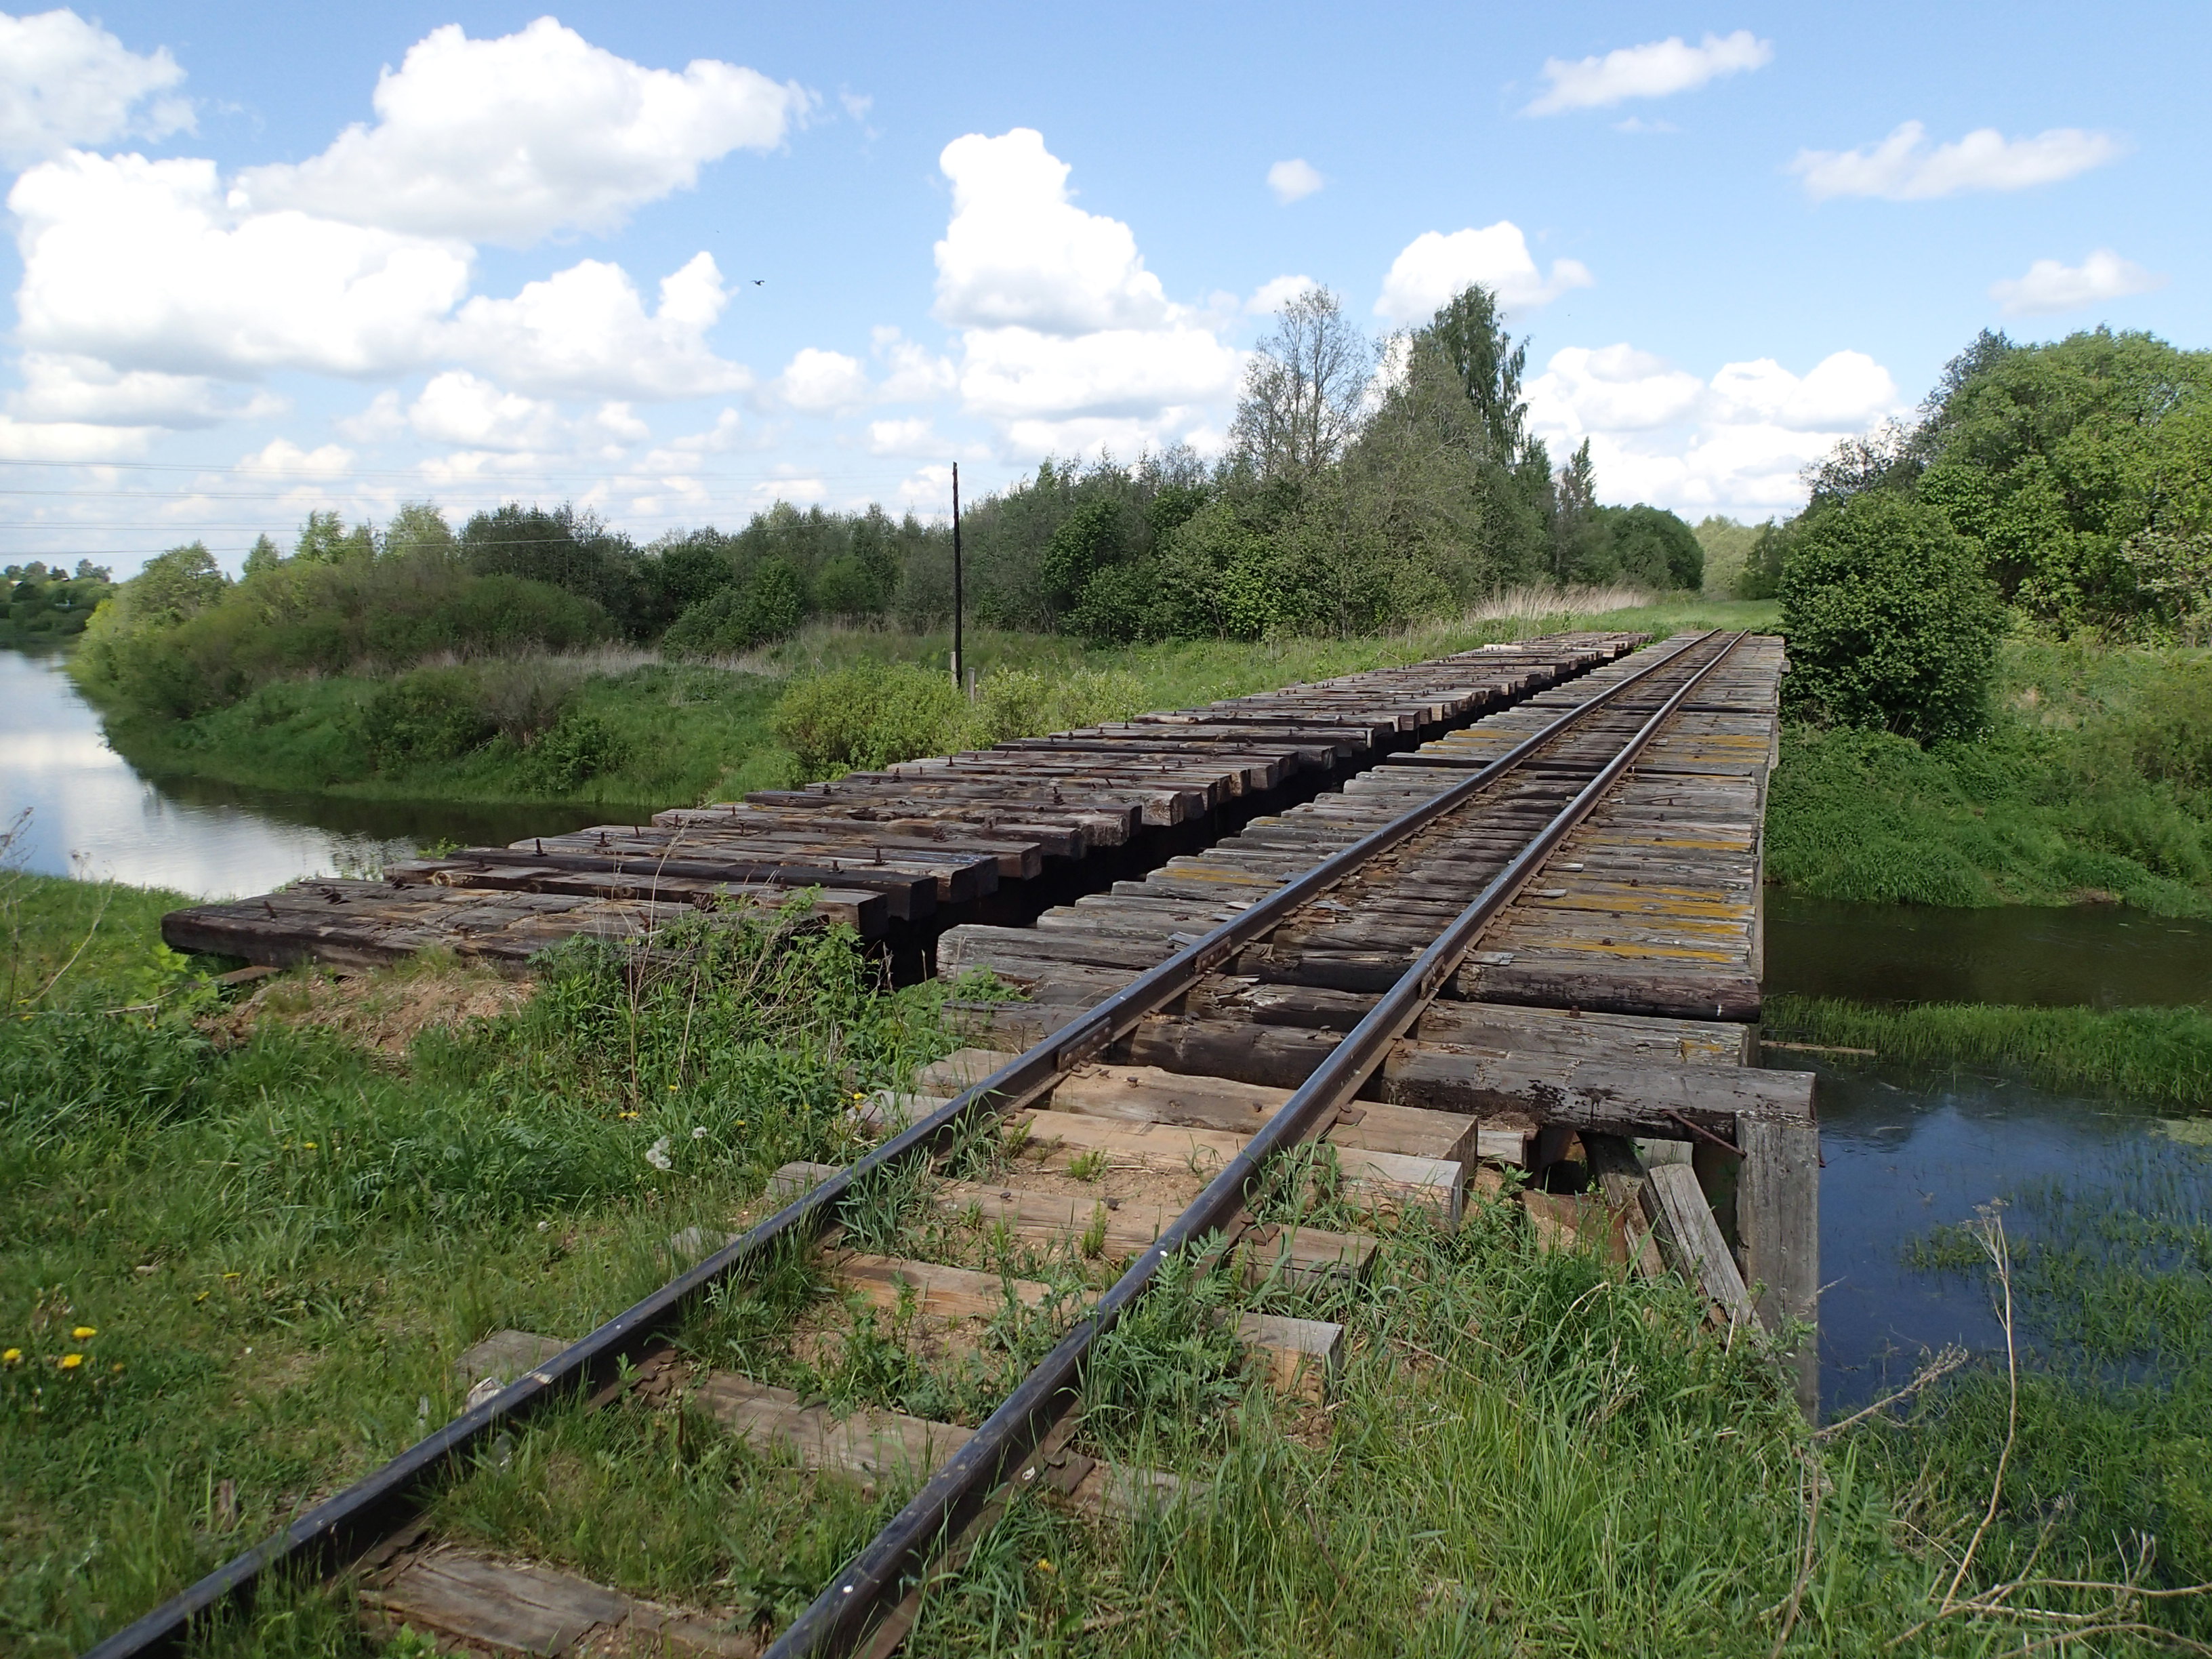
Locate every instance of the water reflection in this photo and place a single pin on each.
(93, 815)
(1908, 1149)
(2103, 955)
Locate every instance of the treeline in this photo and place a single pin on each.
(2065, 489)
(45, 605)
(1366, 484)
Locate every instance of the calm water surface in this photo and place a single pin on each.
(93, 815)
(2101, 956)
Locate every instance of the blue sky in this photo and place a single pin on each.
(263, 260)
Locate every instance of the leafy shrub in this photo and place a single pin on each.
(430, 714)
(579, 747)
(1022, 702)
(1892, 624)
(769, 606)
(868, 717)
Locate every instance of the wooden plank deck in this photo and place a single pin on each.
(902, 851)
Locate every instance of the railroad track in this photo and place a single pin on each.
(1084, 1176)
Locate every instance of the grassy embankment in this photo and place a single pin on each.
(683, 733)
(267, 1238)
(2094, 781)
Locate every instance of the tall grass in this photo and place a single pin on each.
(267, 1253)
(2162, 1055)
(2095, 778)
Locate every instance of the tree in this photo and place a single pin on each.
(323, 539)
(263, 556)
(1892, 624)
(1580, 544)
(1303, 390)
(418, 527)
(1487, 362)
(1652, 546)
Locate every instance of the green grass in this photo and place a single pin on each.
(284, 1245)
(2114, 1297)
(2156, 1055)
(688, 734)
(2092, 780)
(279, 1247)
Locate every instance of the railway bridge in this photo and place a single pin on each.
(1482, 931)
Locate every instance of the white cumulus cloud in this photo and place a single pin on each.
(1905, 167)
(64, 82)
(1294, 181)
(1733, 444)
(1018, 253)
(818, 382)
(63, 387)
(144, 265)
(585, 331)
(507, 140)
(71, 441)
(1657, 69)
(281, 458)
(1433, 267)
(1066, 341)
(1272, 296)
(2049, 286)
(912, 436)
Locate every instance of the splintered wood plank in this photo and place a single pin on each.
(520, 1607)
(1692, 1239)
(1617, 1099)
(962, 1069)
(932, 1290)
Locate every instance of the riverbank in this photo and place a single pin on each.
(628, 731)
(2093, 783)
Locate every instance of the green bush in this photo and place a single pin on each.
(1891, 624)
(1022, 702)
(868, 717)
(578, 748)
(430, 714)
(736, 618)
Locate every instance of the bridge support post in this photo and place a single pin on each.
(1778, 1222)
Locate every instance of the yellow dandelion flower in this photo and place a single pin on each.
(71, 1361)
(671, 1085)
(1043, 1565)
(13, 1357)
(308, 1146)
(83, 1331)
(116, 1368)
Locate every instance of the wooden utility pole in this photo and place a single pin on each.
(956, 576)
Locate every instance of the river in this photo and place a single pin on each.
(1906, 1148)
(93, 815)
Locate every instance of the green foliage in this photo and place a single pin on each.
(1651, 546)
(46, 607)
(179, 639)
(1024, 703)
(579, 747)
(1891, 624)
(279, 1246)
(426, 715)
(2087, 780)
(2162, 1055)
(738, 616)
(869, 715)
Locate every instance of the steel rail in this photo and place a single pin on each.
(351, 1521)
(844, 1612)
